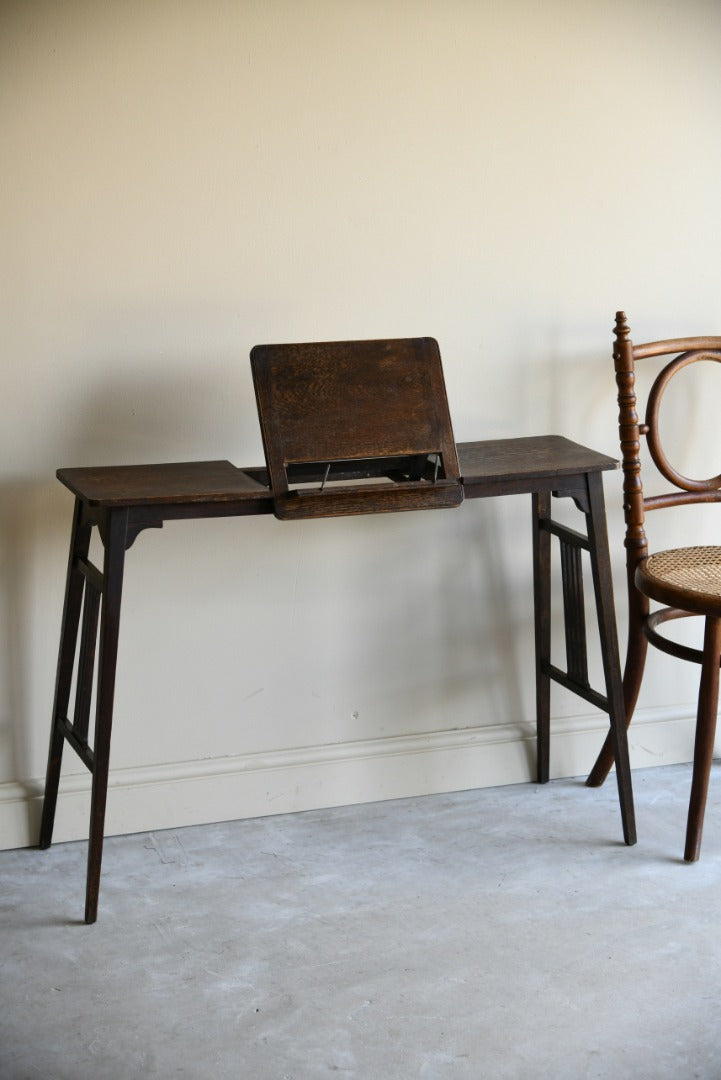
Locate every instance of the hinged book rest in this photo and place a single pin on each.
(355, 427)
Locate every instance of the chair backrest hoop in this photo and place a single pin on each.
(683, 351)
(653, 437)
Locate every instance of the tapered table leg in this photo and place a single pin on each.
(115, 542)
(542, 623)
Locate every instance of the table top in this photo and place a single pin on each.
(534, 457)
(488, 467)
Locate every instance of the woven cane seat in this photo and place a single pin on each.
(688, 578)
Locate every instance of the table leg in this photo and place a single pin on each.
(603, 586)
(542, 622)
(75, 582)
(115, 544)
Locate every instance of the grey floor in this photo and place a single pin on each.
(503, 933)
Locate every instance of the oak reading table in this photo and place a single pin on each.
(122, 501)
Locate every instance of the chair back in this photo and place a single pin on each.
(679, 353)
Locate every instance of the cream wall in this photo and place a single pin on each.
(182, 180)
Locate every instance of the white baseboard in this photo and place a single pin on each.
(199, 792)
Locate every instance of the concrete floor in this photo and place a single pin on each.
(503, 933)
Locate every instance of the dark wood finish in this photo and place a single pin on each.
(605, 610)
(86, 660)
(574, 610)
(186, 483)
(74, 585)
(524, 465)
(541, 513)
(487, 468)
(705, 733)
(377, 409)
(121, 501)
(643, 582)
(115, 544)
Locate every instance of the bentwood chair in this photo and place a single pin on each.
(686, 581)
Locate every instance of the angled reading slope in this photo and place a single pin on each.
(355, 427)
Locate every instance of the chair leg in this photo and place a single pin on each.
(636, 651)
(542, 618)
(705, 732)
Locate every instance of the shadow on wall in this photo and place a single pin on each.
(18, 539)
(200, 411)
(191, 408)
(493, 642)
(440, 623)
(582, 397)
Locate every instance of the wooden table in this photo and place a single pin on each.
(122, 501)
